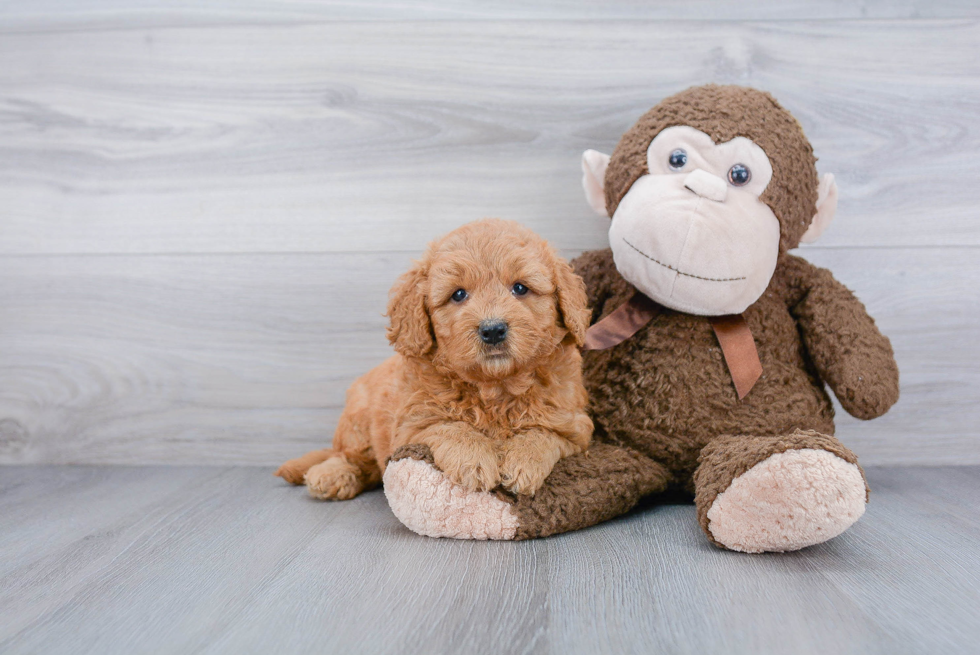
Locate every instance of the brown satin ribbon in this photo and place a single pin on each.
(738, 346)
(732, 332)
(624, 322)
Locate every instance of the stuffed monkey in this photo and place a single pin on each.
(710, 346)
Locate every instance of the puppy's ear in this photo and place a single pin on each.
(572, 301)
(410, 328)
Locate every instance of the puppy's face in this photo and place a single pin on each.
(493, 311)
(494, 299)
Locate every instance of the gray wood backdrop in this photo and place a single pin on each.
(202, 205)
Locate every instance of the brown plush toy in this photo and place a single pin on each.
(710, 344)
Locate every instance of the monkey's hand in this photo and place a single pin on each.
(850, 354)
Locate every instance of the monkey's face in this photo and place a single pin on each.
(693, 234)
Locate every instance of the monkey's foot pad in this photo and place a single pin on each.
(428, 503)
(788, 501)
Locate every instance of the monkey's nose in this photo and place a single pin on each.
(706, 185)
(493, 331)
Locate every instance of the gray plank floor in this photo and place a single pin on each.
(186, 560)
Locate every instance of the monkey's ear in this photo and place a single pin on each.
(594, 178)
(826, 208)
(410, 329)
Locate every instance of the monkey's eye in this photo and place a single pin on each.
(739, 175)
(519, 289)
(459, 295)
(677, 159)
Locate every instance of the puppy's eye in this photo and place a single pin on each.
(739, 175)
(677, 159)
(519, 289)
(459, 295)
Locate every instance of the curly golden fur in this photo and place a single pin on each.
(492, 413)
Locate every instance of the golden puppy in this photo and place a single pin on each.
(487, 373)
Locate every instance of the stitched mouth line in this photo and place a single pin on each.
(668, 266)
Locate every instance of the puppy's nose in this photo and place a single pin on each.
(493, 331)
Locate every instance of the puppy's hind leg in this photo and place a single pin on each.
(351, 467)
(343, 476)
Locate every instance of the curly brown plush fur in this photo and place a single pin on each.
(666, 392)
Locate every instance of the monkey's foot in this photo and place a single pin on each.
(788, 501)
(428, 503)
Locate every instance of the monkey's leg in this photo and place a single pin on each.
(581, 490)
(775, 494)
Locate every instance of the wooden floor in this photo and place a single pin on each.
(216, 560)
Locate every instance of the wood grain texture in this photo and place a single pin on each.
(48, 15)
(202, 205)
(245, 358)
(354, 137)
(231, 560)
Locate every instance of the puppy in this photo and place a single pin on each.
(487, 371)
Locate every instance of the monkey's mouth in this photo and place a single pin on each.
(679, 272)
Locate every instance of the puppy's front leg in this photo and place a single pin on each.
(528, 457)
(466, 456)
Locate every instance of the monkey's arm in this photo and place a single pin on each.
(594, 268)
(849, 352)
(581, 491)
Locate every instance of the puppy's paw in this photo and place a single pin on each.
(526, 459)
(473, 465)
(334, 479)
(523, 475)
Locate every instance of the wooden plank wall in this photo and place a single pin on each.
(202, 205)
